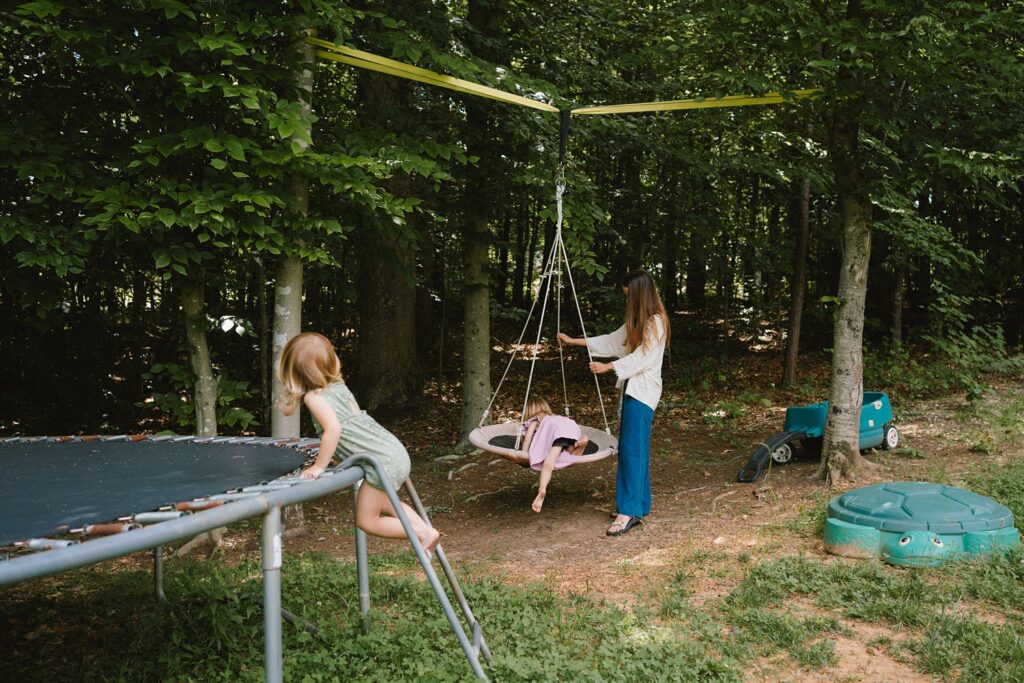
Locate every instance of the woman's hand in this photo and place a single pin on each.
(563, 338)
(599, 368)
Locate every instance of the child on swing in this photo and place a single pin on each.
(310, 372)
(551, 441)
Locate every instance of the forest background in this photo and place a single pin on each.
(183, 187)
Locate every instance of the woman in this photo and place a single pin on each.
(639, 346)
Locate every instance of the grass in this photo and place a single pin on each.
(961, 622)
(108, 627)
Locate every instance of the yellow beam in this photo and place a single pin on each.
(700, 103)
(367, 60)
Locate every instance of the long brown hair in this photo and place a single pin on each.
(642, 304)
(308, 362)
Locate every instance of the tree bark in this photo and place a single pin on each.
(386, 363)
(841, 458)
(288, 289)
(798, 285)
(387, 369)
(899, 284)
(486, 16)
(205, 394)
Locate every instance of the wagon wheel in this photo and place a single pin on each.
(783, 454)
(890, 437)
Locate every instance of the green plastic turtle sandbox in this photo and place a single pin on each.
(917, 524)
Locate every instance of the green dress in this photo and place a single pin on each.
(360, 433)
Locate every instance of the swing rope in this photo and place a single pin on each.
(551, 275)
(559, 191)
(515, 351)
(583, 328)
(548, 275)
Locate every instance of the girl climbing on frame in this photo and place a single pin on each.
(310, 372)
(551, 442)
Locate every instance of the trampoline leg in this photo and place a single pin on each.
(428, 569)
(478, 639)
(271, 550)
(362, 566)
(158, 573)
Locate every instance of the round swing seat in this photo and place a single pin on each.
(500, 439)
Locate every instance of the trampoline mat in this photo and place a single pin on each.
(509, 441)
(48, 486)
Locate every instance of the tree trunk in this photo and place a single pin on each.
(841, 456)
(476, 392)
(798, 285)
(898, 285)
(696, 273)
(486, 16)
(263, 333)
(386, 363)
(205, 395)
(288, 289)
(522, 240)
(387, 368)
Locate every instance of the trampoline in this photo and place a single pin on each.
(106, 497)
(51, 487)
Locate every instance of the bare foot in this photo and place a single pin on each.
(538, 502)
(579, 446)
(429, 539)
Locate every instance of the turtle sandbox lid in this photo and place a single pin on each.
(920, 506)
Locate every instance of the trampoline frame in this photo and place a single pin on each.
(268, 505)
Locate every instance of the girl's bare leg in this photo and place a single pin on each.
(545, 476)
(375, 515)
(580, 445)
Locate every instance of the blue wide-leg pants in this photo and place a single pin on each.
(633, 479)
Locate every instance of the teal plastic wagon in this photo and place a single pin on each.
(806, 425)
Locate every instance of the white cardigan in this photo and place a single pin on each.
(642, 366)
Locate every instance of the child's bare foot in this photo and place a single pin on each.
(538, 502)
(579, 446)
(429, 539)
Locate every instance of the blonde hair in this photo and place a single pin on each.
(535, 407)
(308, 362)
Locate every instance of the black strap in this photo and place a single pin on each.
(563, 135)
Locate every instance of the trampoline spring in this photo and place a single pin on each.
(197, 505)
(104, 529)
(235, 495)
(156, 517)
(45, 543)
(264, 488)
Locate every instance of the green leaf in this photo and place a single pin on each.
(166, 216)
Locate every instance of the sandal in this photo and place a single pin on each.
(623, 527)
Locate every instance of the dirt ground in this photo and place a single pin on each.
(703, 522)
(481, 504)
